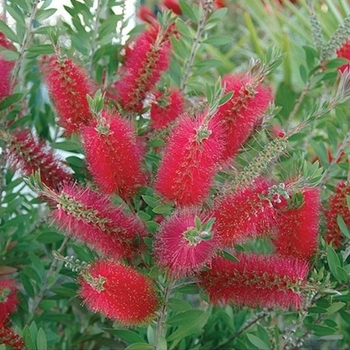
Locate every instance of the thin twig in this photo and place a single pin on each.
(45, 286)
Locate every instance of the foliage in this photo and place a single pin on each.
(270, 213)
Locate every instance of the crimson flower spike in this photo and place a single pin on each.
(114, 155)
(9, 337)
(5, 68)
(8, 299)
(190, 160)
(243, 111)
(256, 281)
(68, 86)
(344, 52)
(338, 206)
(147, 57)
(91, 218)
(29, 155)
(185, 242)
(118, 292)
(297, 221)
(243, 213)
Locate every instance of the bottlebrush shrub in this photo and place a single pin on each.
(119, 292)
(256, 280)
(338, 207)
(173, 218)
(114, 155)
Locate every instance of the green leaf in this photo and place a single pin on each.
(152, 226)
(151, 201)
(187, 10)
(303, 73)
(335, 307)
(225, 254)
(179, 305)
(17, 14)
(67, 146)
(258, 342)
(2, 347)
(42, 14)
(10, 100)
(37, 50)
(9, 33)
(41, 341)
(216, 17)
(126, 335)
(321, 330)
(218, 40)
(184, 318)
(140, 346)
(342, 225)
(163, 209)
(333, 262)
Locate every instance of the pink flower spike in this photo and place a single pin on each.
(145, 61)
(190, 161)
(68, 85)
(243, 214)
(28, 154)
(166, 107)
(8, 299)
(5, 69)
(181, 246)
(114, 155)
(256, 281)
(118, 292)
(242, 112)
(297, 228)
(91, 218)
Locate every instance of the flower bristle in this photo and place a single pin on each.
(338, 206)
(91, 218)
(8, 299)
(344, 52)
(255, 281)
(166, 107)
(243, 214)
(5, 68)
(114, 155)
(145, 61)
(242, 112)
(68, 86)
(190, 161)
(297, 228)
(118, 292)
(174, 252)
(28, 155)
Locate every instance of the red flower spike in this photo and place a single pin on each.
(166, 107)
(179, 246)
(145, 62)
(337, 206)
(297, 228)
(146, 15)
(27, 154)
(114, 155)
(242, 112)
(68, 85)
(172, 5)
(91, 218)
(8, 299)
(256, 281)
(190, 161)
(118, 292)
(5, 69)
(344, 52)
(243, 214)
(10, 338)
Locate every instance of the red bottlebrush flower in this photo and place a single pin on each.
(337, 206)
(68, 85)
(182, 246)
(91, 218)
(190, 161)
(118, 292)
(172, 5)
(242, 214)
(8, 299)
(114, 155)
(27, 154)
(344, 52)
(297, 227)
(220, 3)
(256, 281)
(242, 112)
(146, 15)
(166, 107)
(145, 62)
(5, 69)
(9, 337)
